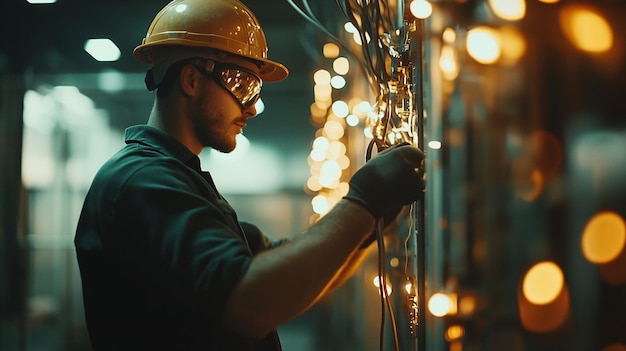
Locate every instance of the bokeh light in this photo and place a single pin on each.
(543, 283)
(341, 65)
(330, 50)
(377, 282)
(604, 237)
(586, 29)
(338, 82)
(483, 44)
(323, 92)
(543, 299)
(320, 204)
(421, 8)
(333, 129)
(440, 304)
(454, 332)
(321, 77)
(340, 108)
(510, 10)
(448, 63)
(513, 44)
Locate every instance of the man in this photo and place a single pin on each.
(164, 261)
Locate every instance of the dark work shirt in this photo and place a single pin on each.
(160, 251)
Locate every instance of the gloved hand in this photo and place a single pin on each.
(388, 181)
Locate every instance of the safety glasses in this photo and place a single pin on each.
(243, 84)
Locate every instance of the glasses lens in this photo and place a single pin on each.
(245, 86)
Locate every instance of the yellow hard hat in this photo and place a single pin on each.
(226, 25)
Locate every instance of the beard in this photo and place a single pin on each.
(214, 130)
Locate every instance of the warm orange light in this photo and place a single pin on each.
(604, 237)
(467, 305)
(454, 332)
(510, 10)
(336, 149)
(333, 130)
(317, 113)
(322, 92)
(440, 304)
(421, 8)
(341, 65)
(313, 184)
(448, 64)
(545, 317)
(543, 283)
(408, 287)
(483, 44)
(513, 44)
(377, 281)
(586, 29)
(543, 298)
(321, 77)
(342, 189)
(331, 50)
(449, 36)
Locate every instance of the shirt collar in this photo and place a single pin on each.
(159, 139)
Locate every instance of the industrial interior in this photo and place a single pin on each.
(520, 240)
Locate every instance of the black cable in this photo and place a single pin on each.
(362, 30)
(406, 243)
(311, 18)
(370, 147)
(381, 284)
(382, 287)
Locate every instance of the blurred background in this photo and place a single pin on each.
(523, 233)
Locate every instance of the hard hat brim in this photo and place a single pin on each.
(271, 71)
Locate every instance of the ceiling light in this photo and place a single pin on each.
(102, 49)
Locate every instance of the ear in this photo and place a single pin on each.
(189, 80)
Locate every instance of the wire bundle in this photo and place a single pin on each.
(384, 43)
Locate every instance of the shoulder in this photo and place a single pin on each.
(140, 171)
(131, 162)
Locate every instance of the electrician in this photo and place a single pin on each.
(165, 263)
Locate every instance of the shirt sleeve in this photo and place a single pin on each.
(257, 240)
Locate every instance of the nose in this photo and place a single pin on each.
(250, 111)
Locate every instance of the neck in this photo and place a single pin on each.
(173, 121)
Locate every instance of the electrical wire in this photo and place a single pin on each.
(409, 234)
(385, 304)
(365, 16)
(382, 287)
(308, 14)
(372, 19)
(376, 28)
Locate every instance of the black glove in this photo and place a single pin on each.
(388, 181)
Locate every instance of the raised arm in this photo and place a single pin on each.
(283, 282)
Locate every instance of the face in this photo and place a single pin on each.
(218, 117)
